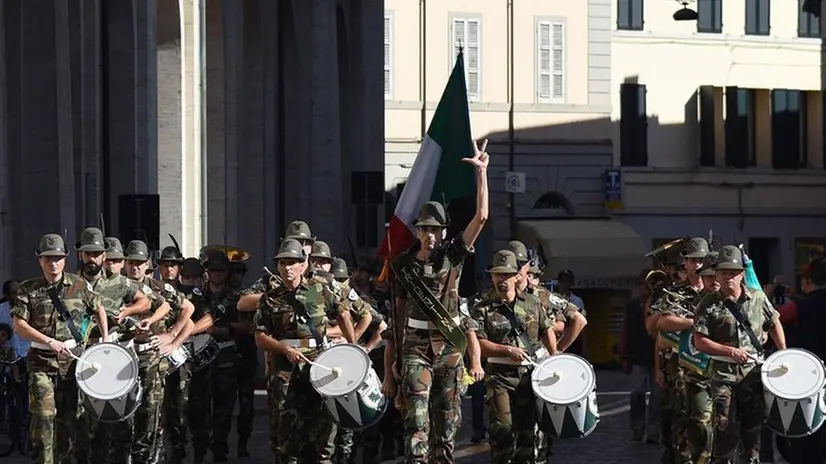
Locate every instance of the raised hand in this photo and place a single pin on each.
(480, 156)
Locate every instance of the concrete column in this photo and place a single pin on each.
(5, 165)
(215, 122)
(146, 96)
(272, 19)
(90, 105)
(20, 238)
(193, 82)
(46, 130)
(324, 184)
(233, 22)
(169, 120)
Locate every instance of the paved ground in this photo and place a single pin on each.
(609, 444)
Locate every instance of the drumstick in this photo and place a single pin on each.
(95, 366)
(335, 370)
(555, 374)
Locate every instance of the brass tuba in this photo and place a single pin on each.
(657, 281)
(233, 254)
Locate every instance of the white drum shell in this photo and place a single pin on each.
(793, 392)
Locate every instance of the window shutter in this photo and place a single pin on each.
(558, 36)
(472, 59)
(387, 51)
(543, 75)
(459, 40)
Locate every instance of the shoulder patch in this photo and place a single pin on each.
(352, 296)
(169, 288)
(196, 291)
(146, 290)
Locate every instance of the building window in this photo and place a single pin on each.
(740, 128)
(633, 125)
(466, 36)
(550, 76)
(788, 129)
(710, 16)
(808, 25)
(388, 55)
(630, 15)
(758, 17)
(367, 195)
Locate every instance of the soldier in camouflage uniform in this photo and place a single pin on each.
(291, 326)
(735, 349)
(431, 365)
(138, 438)
(53, 392)
(247, 366)
(676, 312)
(700, 403)
(117, 293)
(114, 256)
(514, 329)
(222, 301)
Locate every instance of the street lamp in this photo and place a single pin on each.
(685, 13)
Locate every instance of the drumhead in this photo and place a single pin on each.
(354, 364)
(118, 372)
(804, 379)
(576, 382)
(199, 341)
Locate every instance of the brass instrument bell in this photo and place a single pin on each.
(233, 254)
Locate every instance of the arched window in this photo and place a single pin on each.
(554, 201)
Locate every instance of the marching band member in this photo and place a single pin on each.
(512, 327)
(429, 329)
(49, 311)
(729, 326)
(291, 326)
(676, 313)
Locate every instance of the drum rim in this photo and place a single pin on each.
(350, 346)
(539, 394)
(81, 385)
(767, 386)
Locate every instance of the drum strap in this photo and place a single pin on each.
(744, 326)
(517, 329)
(65, 315)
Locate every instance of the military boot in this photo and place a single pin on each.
(243, 452)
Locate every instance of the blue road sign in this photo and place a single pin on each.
(613, 188)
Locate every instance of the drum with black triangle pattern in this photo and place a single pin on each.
(565, 389)
(108, 380)
(352, 393)
(793, 388)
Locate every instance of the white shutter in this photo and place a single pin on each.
(388, 90)
(558, 62)
(543, 63)
(466, 36)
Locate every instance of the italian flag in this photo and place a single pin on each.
(438, 173)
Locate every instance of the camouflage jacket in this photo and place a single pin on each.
(264, 283)
(347, 297)
(115, 291)
(558, 308)
(283, 314)
(715, 321)
(159, 293)
(491, 316)
(222, 306)
(196, 297)
(34, 305)
(666, 306)
(434, 274)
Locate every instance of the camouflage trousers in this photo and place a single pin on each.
(278, 382)
(247, 367)
(674, 404)
(92, 439)
(54, 409)
(701, 410)
(738, 416)
(512, 405)
(199, 409)
(385, 433)
(432, 391)
(138, 436)
(224, 393)
(305, 416)
(174, 411)
(345, 442)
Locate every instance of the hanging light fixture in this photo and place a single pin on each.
(685, 13)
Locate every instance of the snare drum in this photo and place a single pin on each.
(177, 359)
(112, 393)
(204, 350)
(354, 398)
(566, 399)
(793, 381)
(690, 357)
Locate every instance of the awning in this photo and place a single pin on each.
(601, 253)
